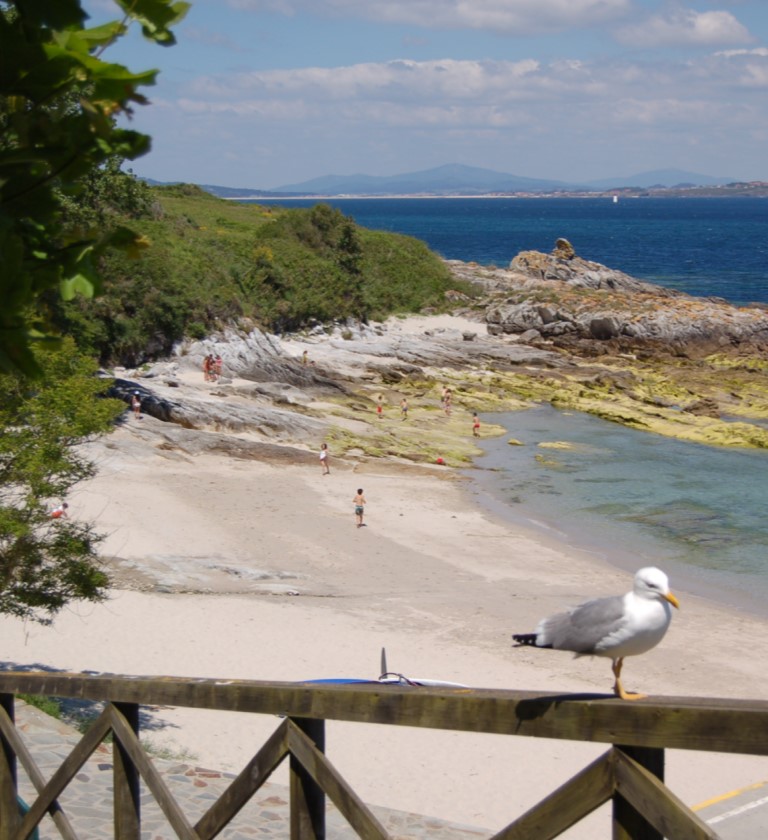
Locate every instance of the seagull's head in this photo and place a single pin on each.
(651, 582)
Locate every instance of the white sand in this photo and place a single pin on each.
(430, 577)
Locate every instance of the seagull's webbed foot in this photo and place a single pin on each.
(618, 688)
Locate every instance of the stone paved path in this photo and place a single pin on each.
(87, 801)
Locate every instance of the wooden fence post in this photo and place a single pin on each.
(127, 803)
(307, 798)
(628, 824)
(9, 808)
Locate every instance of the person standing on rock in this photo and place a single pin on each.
(404, 408)
(476, 425)
(324, 459)
(136, 405)
(359, 503)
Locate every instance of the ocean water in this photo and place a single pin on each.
(626, 496)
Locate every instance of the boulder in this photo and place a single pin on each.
(563, 250)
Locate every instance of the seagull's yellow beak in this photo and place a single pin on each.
(672, 600)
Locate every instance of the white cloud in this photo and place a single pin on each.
(686, 27)
(400, 80)
(500, 16)
(747, 68)
(573, 95)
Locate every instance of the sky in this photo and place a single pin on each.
(265, 93)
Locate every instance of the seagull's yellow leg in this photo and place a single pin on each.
(618, 688)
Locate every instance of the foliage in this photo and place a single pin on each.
(46, 562)
(214, 262)
(58, 105)
(51, 706)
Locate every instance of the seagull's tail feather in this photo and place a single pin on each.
(528, 639)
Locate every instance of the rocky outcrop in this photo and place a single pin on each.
(256, 356)
(222, 408)
(560, 299)
(564, 266)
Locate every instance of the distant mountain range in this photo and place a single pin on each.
(661, 178)
(452, 179)
(456, 179)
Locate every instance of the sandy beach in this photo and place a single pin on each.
(241, 568)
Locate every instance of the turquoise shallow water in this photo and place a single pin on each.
(635, 499)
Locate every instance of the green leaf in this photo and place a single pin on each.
(77, 284)
(155, 17)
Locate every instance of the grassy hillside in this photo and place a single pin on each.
(212, 262)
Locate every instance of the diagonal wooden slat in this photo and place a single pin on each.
(656, 802)
(250, 779)
(131, 744)
(571, 802)
(349, 804)
(11, 734)
(66, 772)
(8, 801)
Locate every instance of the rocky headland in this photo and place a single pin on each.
(552, 327)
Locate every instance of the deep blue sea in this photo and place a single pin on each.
(625, 496)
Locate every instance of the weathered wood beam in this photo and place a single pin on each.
(706, 724)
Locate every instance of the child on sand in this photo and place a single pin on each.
(60, 511)
(359, 503)
(324, 459)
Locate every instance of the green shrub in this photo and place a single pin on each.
(213, 262)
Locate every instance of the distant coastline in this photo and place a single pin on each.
(757, 189)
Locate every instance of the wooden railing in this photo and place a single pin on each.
(630, 772)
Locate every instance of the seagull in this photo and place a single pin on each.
(618, 626)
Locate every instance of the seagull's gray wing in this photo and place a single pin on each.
(582, 629)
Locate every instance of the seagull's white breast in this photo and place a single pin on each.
(642, 627)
